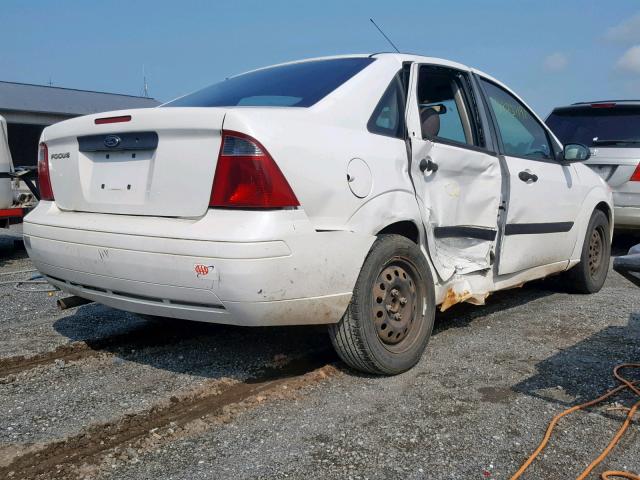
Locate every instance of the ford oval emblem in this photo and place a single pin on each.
(111, 141)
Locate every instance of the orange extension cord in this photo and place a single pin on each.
(610, 474)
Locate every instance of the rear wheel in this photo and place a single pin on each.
(388, 323)
(589, 275)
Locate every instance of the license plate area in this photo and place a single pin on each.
(117, 177)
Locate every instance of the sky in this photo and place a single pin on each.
(550, 52)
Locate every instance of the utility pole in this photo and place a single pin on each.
(145, 86)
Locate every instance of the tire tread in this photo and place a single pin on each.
(577, 278)
(347, 335)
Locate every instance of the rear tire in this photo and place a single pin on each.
(589, 275)
(388, 323)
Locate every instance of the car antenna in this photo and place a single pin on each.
(383, 34)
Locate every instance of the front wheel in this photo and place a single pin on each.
(388, 323)
(589, 275)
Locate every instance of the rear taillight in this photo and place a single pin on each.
(247, 177)
(603, 105)
(636, 174)
(44, 180)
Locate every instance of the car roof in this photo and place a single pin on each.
(606, 101)
(598, 102)
(410, 57)
(399, 57)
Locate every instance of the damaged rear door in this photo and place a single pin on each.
(456, 175)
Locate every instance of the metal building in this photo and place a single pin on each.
(29, 108)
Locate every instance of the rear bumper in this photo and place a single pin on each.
(283, 273)
(627, 217)
(626, 202)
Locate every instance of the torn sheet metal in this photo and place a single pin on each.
(460, 255)
(461, 291)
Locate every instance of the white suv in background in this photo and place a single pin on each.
(359, 191)
(612, 130)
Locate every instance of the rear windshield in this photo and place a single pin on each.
(615, 126)
(294, 85)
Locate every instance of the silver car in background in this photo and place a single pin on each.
(611, 129)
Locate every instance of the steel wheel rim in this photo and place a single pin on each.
(596, 252)
(396, 305)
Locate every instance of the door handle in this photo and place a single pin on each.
(527, 176)
(428, 165)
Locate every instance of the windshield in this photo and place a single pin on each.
(617, 126)
(293, 85)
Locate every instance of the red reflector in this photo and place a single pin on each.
(123, 118)
(11, 212)
(603, 105)
(636, 175)
(44, 180)
(247, 177)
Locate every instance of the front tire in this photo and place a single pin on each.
(589, 275)
(388, 323)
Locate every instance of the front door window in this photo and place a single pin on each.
(520, 132)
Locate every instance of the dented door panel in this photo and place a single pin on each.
(459, 205)
(458, 188)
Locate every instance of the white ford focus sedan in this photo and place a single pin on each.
(358, 191)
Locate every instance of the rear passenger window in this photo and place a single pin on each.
(522, 135)
(388, 116)
(445, 112)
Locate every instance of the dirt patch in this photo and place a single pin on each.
(151, 335)
(181, 415)
(11, 366)
(496, 394)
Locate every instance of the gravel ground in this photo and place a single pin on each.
(474, 407)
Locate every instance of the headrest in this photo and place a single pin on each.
(430, 121)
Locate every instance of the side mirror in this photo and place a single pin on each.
(575, 152)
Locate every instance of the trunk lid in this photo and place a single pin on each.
(161, 162)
